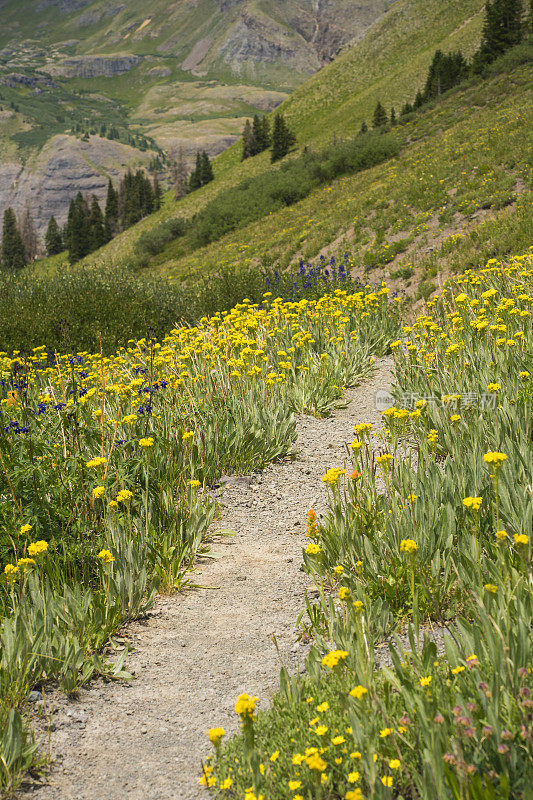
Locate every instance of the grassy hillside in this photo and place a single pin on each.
(402, 214)
(400, 46)
(397, 218)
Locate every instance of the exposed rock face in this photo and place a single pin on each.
(94, 66)
(15, 79)
(64, 167)
(253, 39)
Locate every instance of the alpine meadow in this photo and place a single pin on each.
(266, 400)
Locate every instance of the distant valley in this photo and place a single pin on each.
(89, 88)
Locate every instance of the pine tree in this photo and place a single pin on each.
(78, 229)
(261, 134)
(53, 239)
(97, 236)
(179, 176)
(407, 109)
(248, 144)
(145, 193)
(364, 127)
(111, 211)
(157, 192)
(29, 234)
(445, 72)
(282, 138)
(393, 119)
(502, 29)
(129, 200)
(265, 139)
(13, 254)
(194, 179)
(419, 101)
(206, 170)
(380, 119)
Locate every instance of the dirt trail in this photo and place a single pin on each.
(198, 651)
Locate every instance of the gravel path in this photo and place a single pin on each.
(198, 651)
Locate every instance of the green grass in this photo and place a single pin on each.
(401, 213)
(400, 46)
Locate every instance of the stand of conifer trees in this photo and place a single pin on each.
(257, 138)
(13, 251)
(202, 173)
(53, 239)
(88, 229)
(504, 27)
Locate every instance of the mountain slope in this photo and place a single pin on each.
(186, 74)
(280, 40)
(389, 63)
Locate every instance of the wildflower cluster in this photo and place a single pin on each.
(441, 532)
(102, 459)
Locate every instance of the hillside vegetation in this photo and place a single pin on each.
(390, 63)
(181, 352)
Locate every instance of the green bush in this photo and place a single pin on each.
(257, 197)
(92, 308)
(152, 242)
(85, 309)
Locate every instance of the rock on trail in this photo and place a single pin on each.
(198, 651)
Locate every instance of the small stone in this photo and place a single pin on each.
(34, 696)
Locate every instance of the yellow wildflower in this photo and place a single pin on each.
(334, 657)
(245, 705)
(494, 458)
(37, 548)
(215, 735)
(106, 556)
(473, 503)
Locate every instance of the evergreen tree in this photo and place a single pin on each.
(364, 127)
(261, 134)
(97, 235)
(206, 169)
(419, 101)
(445, 72)
(282, 138)
(393, 119)
(129, 200)
(265, 138)
(78, 229)
(143, 189)
(179, 176)
(407, 109)
(380, 119)
(53, 239)
(157, 192)
(13, 254)
(502, 29)
(195, 180)
(248, 144)
(111, 211)
(29, 234)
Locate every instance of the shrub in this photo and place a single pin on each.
(256, 197)
(152, 242)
